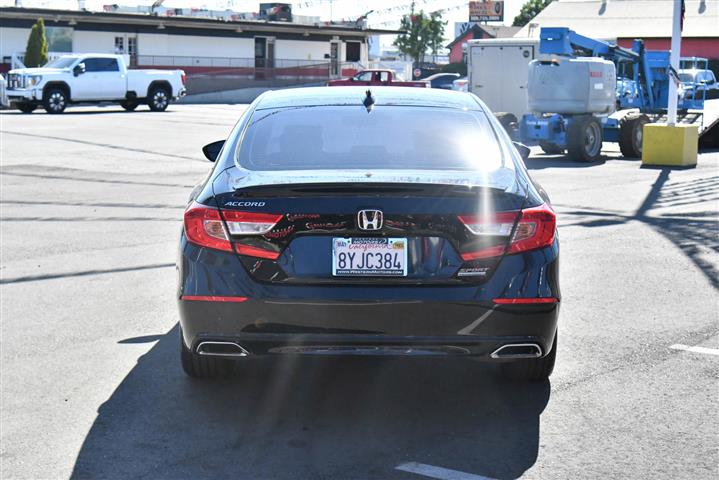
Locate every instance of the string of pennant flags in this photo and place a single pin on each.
(399, 9)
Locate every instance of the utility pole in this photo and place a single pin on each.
(674, 56)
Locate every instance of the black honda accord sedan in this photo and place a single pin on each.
(341, 221)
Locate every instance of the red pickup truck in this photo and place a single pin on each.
(375, 77)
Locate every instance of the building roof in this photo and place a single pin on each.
(9, 15)
(490, 31)
(610, 19)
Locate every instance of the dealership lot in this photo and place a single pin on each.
(91, 204)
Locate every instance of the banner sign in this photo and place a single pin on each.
(486, 11)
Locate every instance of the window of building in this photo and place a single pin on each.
(119, 45)
(352, 51)
(59, 39)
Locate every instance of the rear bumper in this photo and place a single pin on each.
(366, 328)
(359, 319)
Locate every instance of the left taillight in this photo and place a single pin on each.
(535, 229)
(204, 226)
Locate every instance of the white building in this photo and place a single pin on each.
(198, 45)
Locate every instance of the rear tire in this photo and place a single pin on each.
(26, 107)
(55, 100)
(508, 121)
(584, 139)
(200, 366)
(631, 132)
(531, 370)
(551, 148)
(159, 99)
(129, 105)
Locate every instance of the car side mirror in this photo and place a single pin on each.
(212, 150)
(79, 69)
(523, 150)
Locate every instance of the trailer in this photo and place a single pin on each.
(497, 72)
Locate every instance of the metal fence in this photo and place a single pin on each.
(216, 74)
(222, 62)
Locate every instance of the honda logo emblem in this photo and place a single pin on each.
(369, 219)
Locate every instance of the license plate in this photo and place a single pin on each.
(369, 257)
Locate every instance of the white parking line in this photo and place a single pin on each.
(686, 348)
(439, 473)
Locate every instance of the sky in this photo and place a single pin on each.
(387, 12)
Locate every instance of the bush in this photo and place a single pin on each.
(36, 51)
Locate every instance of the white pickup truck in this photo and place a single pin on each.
(92, 78)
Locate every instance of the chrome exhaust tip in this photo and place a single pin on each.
(517, 350)
(221, 349)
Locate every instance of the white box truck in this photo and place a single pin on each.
(497, 72)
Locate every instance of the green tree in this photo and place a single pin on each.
(421, 32)
(529, 10)
(36, 51)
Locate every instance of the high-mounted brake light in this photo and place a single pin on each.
(204, 227)
(535, 230)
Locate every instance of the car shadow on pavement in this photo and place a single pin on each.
(312, 417)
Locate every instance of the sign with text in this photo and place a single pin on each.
(486, 11)
(460, 28)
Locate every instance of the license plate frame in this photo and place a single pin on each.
(365, 259)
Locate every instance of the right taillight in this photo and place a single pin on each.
(205, 227)
(535, 229)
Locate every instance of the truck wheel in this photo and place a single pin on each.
(55, 100)
(129, 105)
(200, 366)
(508, 121)
(159, 99)
(631, 129)
(584, 139)
(533, 369)
(551, 148)
(26, 107)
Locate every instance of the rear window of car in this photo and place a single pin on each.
(388, 137)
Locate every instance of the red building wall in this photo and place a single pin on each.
(455, 52)
(691, 47)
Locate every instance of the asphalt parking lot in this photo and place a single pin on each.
(91, 204)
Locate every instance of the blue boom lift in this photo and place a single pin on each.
(581, 133)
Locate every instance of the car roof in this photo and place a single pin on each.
(442, 74)
(355, 95)
(98, 55)
(694, 71)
